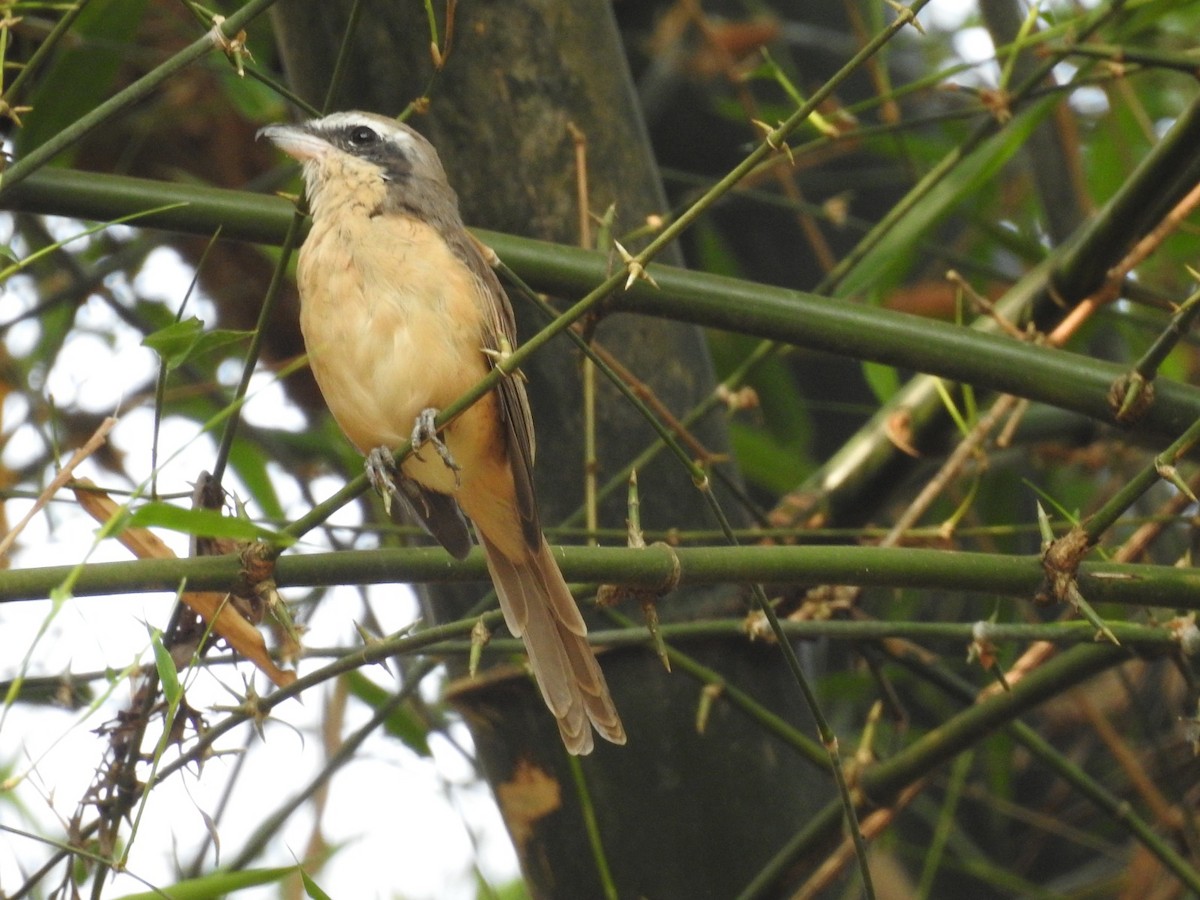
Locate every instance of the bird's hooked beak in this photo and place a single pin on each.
(296, 141)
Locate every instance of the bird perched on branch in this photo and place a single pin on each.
(401, 315)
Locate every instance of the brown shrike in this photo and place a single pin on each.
(401, 315)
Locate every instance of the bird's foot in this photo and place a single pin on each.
(382, 473)
(425, 432)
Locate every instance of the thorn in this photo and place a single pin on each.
(235, 47)
(480, 635)
(13, 112)
(500, 357)
(708, 696)
(1076, 599)
(370, 640)
(1044, 526)
(774, 142)
(906, 14)
(1169, 473)
(650, 613)
(634, 265)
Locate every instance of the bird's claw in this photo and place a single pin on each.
(425, 432)
(381, 472)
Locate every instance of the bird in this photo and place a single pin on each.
(401, 314)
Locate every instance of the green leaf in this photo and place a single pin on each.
(254, 100)
(186, 340)
(174, 342)
(890, 259)
(311, 888)
(512, 890)
(248, 460)
(168, 675)
(81, 74)
(883, 380)
(202, 523)
(765, 461)
(214, 886)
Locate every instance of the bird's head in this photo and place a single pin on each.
(367, 159)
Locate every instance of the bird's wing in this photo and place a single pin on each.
(500, 335)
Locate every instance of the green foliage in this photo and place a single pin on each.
(201, 523)
(83, 69)
(215, 885)
(886, 264)
(883, 380)
(512, 890)
(187, 340)
(311, 888)
(168, 675)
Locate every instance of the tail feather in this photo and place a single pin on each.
(539, 609)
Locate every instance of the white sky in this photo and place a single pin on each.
(427, 818)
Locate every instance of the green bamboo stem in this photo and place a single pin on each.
(1067, 380)
(45, 689)
(651, 567)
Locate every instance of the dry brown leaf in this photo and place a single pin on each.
(212, 606)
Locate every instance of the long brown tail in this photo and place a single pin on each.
(540, 610)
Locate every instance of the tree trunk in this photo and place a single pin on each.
(680, 814)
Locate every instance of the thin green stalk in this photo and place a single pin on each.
(945, 825)
(259, 708)
(160, 383)
(1132, 390)
(254, 74)
(343, 57)
(139, 90)
(592, 827)
(809, 749)
(880, 783)
(828, 737)
(1161, 466)
(1066, 633)
(1124, 56)
(61, 27)
(274, 291)
(70, 848)
(1116, 807)
(1151, 638)
(774, 140)
(1176, 330)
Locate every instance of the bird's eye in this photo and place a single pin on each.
(362, 136)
